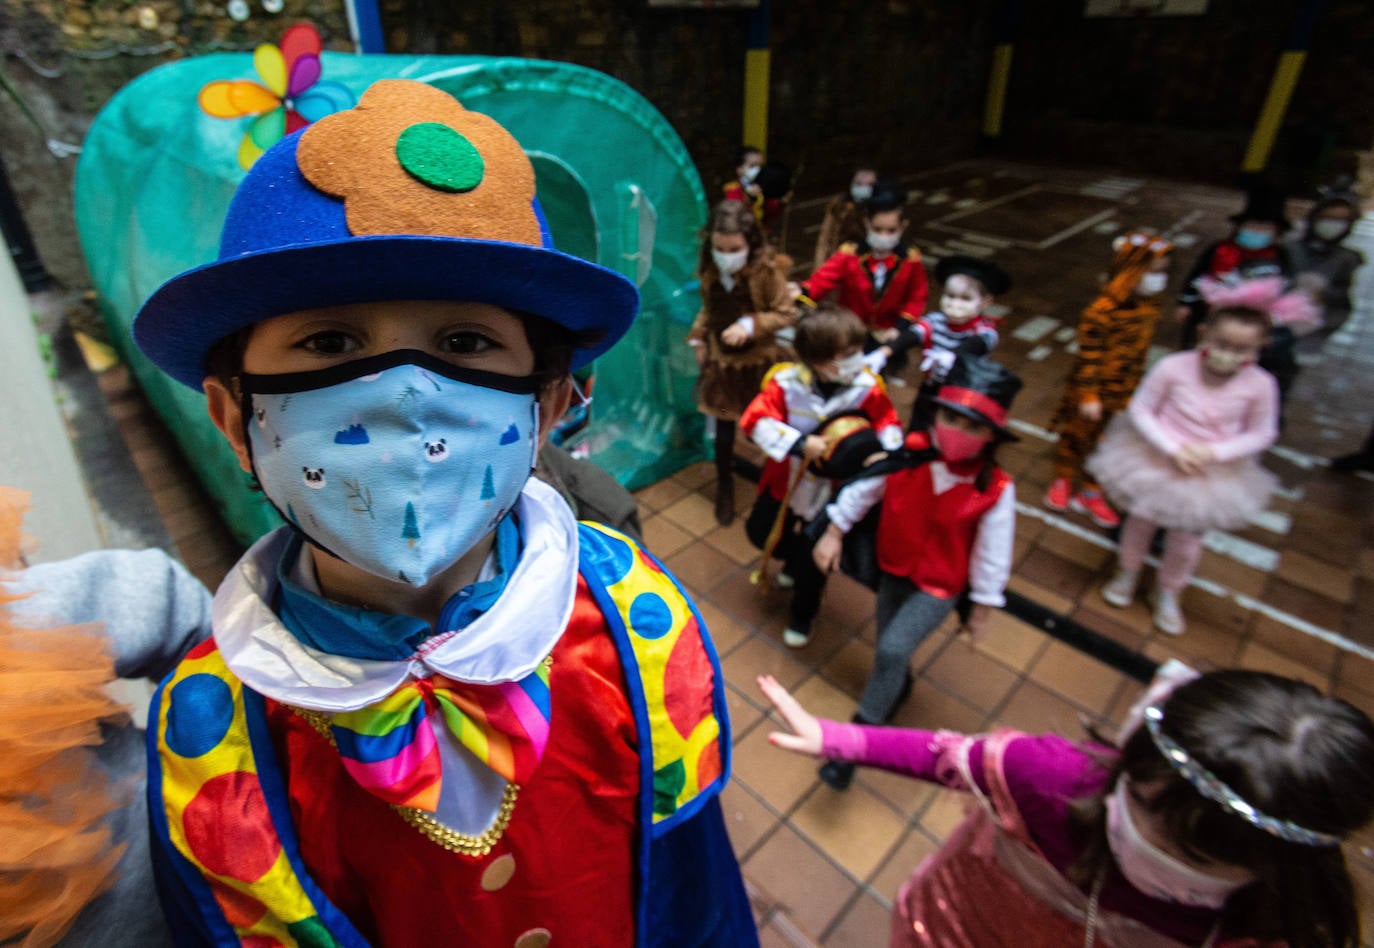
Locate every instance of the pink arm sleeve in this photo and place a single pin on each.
(1146, 403)
(925, 755)
(1261, 423)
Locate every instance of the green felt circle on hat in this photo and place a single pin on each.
(440, 157)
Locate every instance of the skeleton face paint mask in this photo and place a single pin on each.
(397, 464)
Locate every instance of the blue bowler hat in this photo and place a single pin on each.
(407, 196)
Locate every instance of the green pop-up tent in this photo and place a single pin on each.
(615, 182)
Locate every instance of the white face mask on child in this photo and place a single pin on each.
(848, 368)
(1156, 873)
(860, 192)
(958, 309)
(882, 243)
(1152, 284)
(730, 263)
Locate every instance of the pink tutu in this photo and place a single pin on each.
(1140, 479)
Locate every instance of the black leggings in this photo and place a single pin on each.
(795, 552)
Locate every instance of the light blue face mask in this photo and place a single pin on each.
(1252, 239)
(397, 464)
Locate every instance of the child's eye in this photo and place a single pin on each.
(466, 343)
(330, 342)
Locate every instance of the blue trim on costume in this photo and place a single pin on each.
(589, 537)
(279, 809)
(193, 915)
(718, 708)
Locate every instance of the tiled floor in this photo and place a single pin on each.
(1294, 595)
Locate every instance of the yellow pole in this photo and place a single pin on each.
(997, 90)
(1275, 106)
(756, 69)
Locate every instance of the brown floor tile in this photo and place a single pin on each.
(934, 643)
(932, 708)
(747, 818)
(663, 494)
(1294, 644)
(866, 923)
(1355, 671)
(745, 715)
(696, 475)
(1232, 574)
(700, 565)
(1295, 600)
(1223, 612)
(1105, 620)
(964, 671)
(778, 777)
(914, 848)
(756, 656)
(1261, 658)
(1127, 695)
(852, 827)
(948, 808)
(1076, 550)
(848, 669)
(905, 796)
(823, 699)
(1317, 576)
(1055, 573)
(1083, 680)
(847, 600)
(733, 543)
(1208, 643)
(742, 599)
(808, 887)
(726, 631)
(828, 636)
(1161, 648)
(1036, 710)
(663, 537)
(1367, 563)
(1055, 601)
(1011, 641)
(693, 513)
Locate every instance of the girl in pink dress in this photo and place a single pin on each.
(1218, 822)
(1184, 455)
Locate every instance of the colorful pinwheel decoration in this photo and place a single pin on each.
(290, 96)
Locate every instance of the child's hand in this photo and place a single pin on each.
(877, 359)
(813, 447)
(827, 550)
(806, 730)
(735, 335)
(937, 362)
(794, 290)
(1090, 409)
(1192, 458)
(700, 352)
(976, 628)
(886, 335)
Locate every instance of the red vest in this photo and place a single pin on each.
(928, 538)
(571, 837)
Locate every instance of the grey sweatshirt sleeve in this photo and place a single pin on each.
(153, 610)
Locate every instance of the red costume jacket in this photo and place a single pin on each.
(902, 296)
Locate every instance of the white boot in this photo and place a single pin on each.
(1168, 616)
(1120, 590)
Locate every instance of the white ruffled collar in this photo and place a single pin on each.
(505, 643)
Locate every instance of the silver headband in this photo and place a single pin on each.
(1210, 786)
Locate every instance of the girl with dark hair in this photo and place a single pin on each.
(1185, 454)
(946, 526)
(1218, 822)
(744, 302)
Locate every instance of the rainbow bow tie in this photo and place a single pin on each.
(390, 749)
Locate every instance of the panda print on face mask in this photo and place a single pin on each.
(314, 477)
(436, 451)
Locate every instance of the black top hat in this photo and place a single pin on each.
(850, 440)
(1264, 202)
(993, 278)
(978, 388)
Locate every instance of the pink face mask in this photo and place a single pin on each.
(1156, 873)
(956, 444)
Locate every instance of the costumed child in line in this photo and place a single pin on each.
(433, 653)
(797, 398)
(76, 868)
(1322, 264)
(946, 526)
(1185, 454)
(1114, 335)
(843, 221)
(880, 279)
(969, 285)
(763, 187)
(744, 302)
(1254, 250)
(1218, 821)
